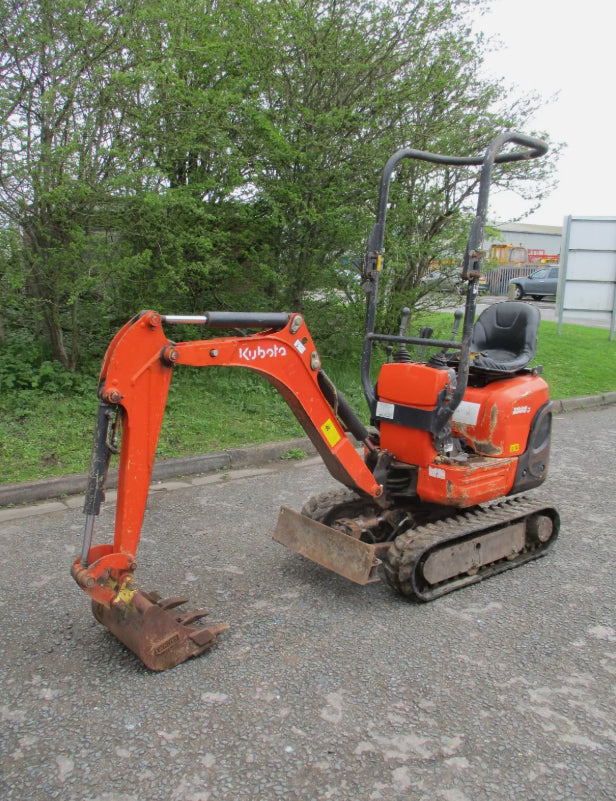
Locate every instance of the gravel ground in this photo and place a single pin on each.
(321, 689)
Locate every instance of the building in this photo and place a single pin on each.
(532, 237)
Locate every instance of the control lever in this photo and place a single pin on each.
(402, 355)
(405, 315)
(457, 319)
(440, 359)
(424, 333)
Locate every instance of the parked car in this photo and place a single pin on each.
(538, 284)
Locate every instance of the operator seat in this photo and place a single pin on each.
(505, 337)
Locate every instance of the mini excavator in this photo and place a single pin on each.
(433, 491)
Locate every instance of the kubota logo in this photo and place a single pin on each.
(252, 354)
(166, 644)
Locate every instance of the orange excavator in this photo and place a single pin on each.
(433, 489)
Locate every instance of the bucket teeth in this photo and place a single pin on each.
(153, 597)
(191, 617)
(202, 637)
(170, 603)
(153, 631)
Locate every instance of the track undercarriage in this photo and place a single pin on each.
(426, 551)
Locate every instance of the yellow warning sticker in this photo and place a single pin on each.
(514, 448)
(331, 434)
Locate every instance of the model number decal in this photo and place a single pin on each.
(252, 354)
(521, 409)
(436, 472)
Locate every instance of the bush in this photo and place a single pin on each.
(27, 364)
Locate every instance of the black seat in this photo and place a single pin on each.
(505, 337)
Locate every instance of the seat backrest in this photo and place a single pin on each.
(505, 336)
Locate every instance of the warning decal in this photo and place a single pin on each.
(331, 434)
(467, 413)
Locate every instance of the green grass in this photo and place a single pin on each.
(580, 361)
(44, 435)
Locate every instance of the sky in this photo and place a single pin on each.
(566, 49)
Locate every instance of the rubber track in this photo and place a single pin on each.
(319, 507)
(402, 562)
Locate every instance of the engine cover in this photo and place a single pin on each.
(495, 419)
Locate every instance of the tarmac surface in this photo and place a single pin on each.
(320, 689)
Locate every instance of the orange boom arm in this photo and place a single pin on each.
(135, 380)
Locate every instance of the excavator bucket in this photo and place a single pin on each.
(155, 632)
(345, 555)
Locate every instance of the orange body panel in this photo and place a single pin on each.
(415, 385)
(478, 480)
(412, 384)
(495, 419)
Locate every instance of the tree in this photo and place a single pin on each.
(66, 75)
(344, 85)
(229, 154)
(201, 91)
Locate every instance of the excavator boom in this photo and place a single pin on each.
(133, 389)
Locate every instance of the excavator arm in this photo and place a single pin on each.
(133, 388)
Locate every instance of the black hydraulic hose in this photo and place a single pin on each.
(343, 410)
(99, 465)
(99, 461)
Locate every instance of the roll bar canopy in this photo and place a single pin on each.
(373, 260)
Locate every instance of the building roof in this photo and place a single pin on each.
(527, 228)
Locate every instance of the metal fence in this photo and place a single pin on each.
(497, 281)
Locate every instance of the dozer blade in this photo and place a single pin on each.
(347, 556)
(157, 634)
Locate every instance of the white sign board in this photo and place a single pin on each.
(587, 283)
